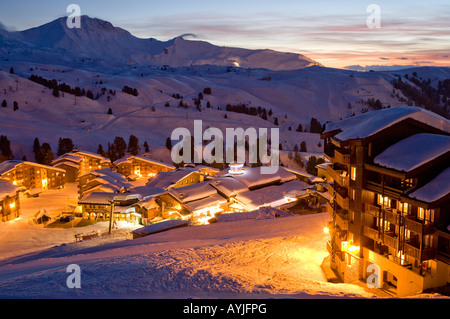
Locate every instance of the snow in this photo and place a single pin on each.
(256, 255)
(367, 124)
(435, 189)
(414, 151)
(270, 195)
(7, 189)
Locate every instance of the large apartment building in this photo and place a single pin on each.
(30, 175)
(390, 198)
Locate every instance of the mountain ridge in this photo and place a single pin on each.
(100, 39)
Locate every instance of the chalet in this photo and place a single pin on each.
(137, 167)
(9, 201)
(77, 163)
(102, 180)
(31, 175)
(390, 198)
(97, 206)
(246, 191)
(71, 164)
(178, 178)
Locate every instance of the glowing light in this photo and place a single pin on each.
(326, 230)
(12, 205)
(353, 249)
(14, 182)
(236, 168)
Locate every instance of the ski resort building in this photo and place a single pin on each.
(102, 180)
(180, 177)
(390, 199)
(97, 206)
(231, 193)
(31, 175)
(77, 163)
(134, 167)
(9, 201)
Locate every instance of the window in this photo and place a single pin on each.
(420, 213)
(353, 173)
(402, 207)
(383, 201)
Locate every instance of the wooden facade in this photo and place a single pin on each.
(140, 167)
(374, 219)
(9, 201)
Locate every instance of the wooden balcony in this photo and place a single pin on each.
(419, 254)
(391, 240)
(341, 197)
(416, 225)
(392, 216)
(341, 217)
(371, 209)
(342, 221)
(342, 156)
(371, 233)
(339, 176)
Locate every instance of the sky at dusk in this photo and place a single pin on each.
(334, 33)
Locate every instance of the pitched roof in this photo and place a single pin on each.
(414, 151)
(367, 124)
(7, 189)
(165, 179)
(127, 159)
(7, 166)
(435, 189)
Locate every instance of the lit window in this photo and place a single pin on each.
(421, 213)
(383, 201)
(353, 173)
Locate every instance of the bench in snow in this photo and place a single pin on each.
(82, 236)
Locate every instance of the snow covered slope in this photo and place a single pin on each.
(258, 258)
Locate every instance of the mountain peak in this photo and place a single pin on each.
(100, 40)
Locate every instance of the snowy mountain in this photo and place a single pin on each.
(101, 59)
(100, 40)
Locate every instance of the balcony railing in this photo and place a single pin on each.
(371, 233)
(341, 197)
(340, 176)
(391, 240)
(421, 255)
(342, 221)
(342, 156)
(415, 225)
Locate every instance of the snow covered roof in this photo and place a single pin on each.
(105, 198)
(269, 196)
(414, 151)
(165, 179)
(435, 189)
(7, 189)
(147, 192)
(228, 186)
(106, 172)
(89, 154)
(7, 166)
(367, 124)
(253, 177)
(212, 200)
(67, 163)
(68, 157)
(192, 192)
(128, 159)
